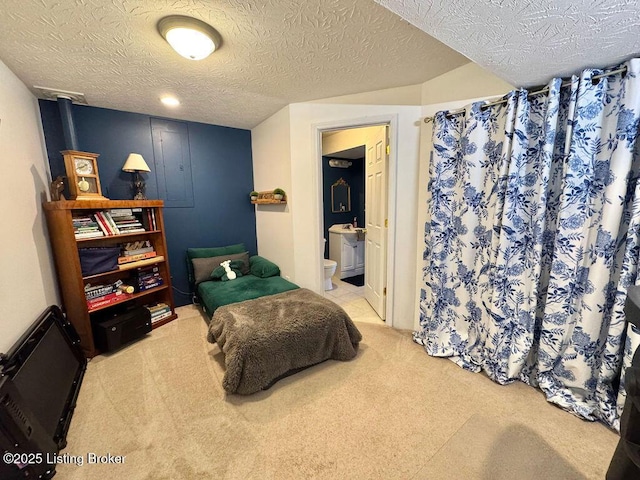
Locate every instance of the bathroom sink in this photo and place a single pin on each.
(345, 229)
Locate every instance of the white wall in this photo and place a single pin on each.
(468, 81)
(408, 95)
(271, 150)
(27, 275)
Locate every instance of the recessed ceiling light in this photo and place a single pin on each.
(190, 37)
(170, 101)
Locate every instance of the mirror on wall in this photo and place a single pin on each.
(340, 197)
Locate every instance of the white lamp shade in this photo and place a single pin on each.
(135, 163)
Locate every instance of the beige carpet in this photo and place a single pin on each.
(392, 413)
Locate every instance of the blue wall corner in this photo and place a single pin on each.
(222, 177)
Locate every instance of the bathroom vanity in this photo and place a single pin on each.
(346, 247)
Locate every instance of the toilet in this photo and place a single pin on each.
(329, 270)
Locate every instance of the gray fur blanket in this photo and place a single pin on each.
(264, 338)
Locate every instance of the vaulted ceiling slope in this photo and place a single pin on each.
(274, 52)
(528, 42)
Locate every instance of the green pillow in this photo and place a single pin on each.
(221, 273)
(203, 267)
(215, 251)
(263, 268)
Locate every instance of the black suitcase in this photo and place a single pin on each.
(40, 379)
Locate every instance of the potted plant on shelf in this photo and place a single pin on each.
(254, 196)
(278, 194)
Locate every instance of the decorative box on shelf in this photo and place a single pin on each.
(268, 198)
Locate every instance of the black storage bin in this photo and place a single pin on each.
(94, 260)
(118, 326)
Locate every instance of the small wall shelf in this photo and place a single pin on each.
(266, 198)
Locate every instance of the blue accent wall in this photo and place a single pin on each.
(222, 177)
(354, 176)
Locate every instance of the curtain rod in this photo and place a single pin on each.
(531, 94)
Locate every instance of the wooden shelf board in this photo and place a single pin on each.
(266, 198)
(159, 323)
(124, 235)
(129, 297)
(101, 204)
(128, 266)
(268, 202)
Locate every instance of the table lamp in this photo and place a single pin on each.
(136, 164)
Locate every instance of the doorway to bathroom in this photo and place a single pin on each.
(354, 183)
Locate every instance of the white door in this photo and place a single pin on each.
(375, 271)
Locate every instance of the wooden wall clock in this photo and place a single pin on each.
(82, 172)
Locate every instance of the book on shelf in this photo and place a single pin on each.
(159, 311)
(147, 278)
(128, 220)
(135, 258)
(106, 223)
(110, 299)
(148, 286)
(86, 227)
(96, 291)
(153, 219)
(136, 248)
(121, 212)
(93, 234)
(142, 271)
(112, 224)
(129, 226)
(102, 224)
(146, 219)
(157, 307)
(86, 221)
(93, 292)
(140, 263)
(160, 317)
(137, 251)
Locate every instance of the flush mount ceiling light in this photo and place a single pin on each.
(190, 37)
(170, 101)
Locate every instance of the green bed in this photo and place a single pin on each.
(259, 277)
(214, 294)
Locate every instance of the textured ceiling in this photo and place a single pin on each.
(528, 42)
(274, 52)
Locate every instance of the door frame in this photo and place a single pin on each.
(391, 121)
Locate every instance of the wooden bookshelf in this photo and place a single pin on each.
(65, 246)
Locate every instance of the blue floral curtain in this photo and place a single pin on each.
(533, 239)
